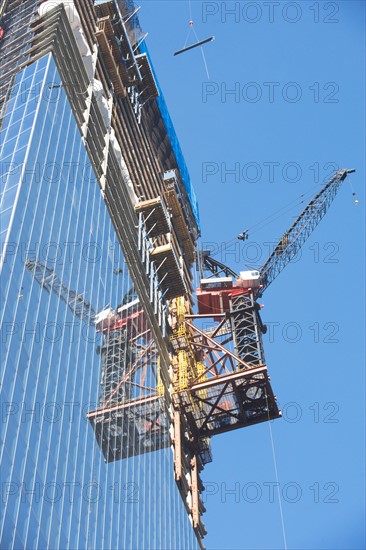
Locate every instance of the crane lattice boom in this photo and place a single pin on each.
(301, 229)
(49, 280)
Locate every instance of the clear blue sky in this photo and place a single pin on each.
(313, 52)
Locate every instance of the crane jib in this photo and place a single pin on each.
(291, 242)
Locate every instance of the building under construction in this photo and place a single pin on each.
(113, 385)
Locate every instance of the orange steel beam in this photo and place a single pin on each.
(217, 345)
(177, 447)
(125, 405)
(229, 378)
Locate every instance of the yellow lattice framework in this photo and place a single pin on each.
(201, 375)
(185, 365)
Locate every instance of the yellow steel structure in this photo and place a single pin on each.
(159, 382)
(185, 366)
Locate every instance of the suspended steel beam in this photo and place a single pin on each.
(200, 43)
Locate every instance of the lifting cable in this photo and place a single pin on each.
(274, 216)
(353, 191)
(281, 212)
(276, 474)
(199, 43)
(299, 200)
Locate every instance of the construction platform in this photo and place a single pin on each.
(133, 428)
(169, 267)
(155, 216)
(228, 402)
(111, 56)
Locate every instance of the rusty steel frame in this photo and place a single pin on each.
(203, 403)
(213, 345)
(221, 398)
(134, 368)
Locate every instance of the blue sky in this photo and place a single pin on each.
(312, 52)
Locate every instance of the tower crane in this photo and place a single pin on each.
(200, 357)
(128, 361)
(236, 299)
(49, 281)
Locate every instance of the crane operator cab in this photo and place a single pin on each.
(213, 296)
(248, 279)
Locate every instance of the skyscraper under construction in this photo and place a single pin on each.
(98, 229)
(110, 387)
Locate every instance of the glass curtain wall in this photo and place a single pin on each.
(61, 264)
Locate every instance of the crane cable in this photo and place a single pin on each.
(270, 219)
(2, 6)
(301, 201)
(282, 211)
(276, 473)
(353, 191)
(190, 22)
(286, 208)
(191, 28)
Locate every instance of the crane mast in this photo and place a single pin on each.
(291, 242)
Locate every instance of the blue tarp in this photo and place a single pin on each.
(181, 163)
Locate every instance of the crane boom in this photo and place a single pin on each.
(214, 266)
(301, 229)
(49, 280)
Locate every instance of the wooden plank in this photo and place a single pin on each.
(180, 225)
(110, 63)
(163, 249)
(177, 447)
(145, 205)
(155, 215)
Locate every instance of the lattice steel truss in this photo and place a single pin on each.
(246, 327)
(48, 279)
(229, 393)
(228, 402)
(131, 428)
(116, 354)
(126, 361)
(132, 418)
(301, 229)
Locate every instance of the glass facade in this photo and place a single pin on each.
(62, 263)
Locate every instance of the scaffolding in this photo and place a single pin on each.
(131, 428)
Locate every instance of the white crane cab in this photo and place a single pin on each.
(248, 279)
